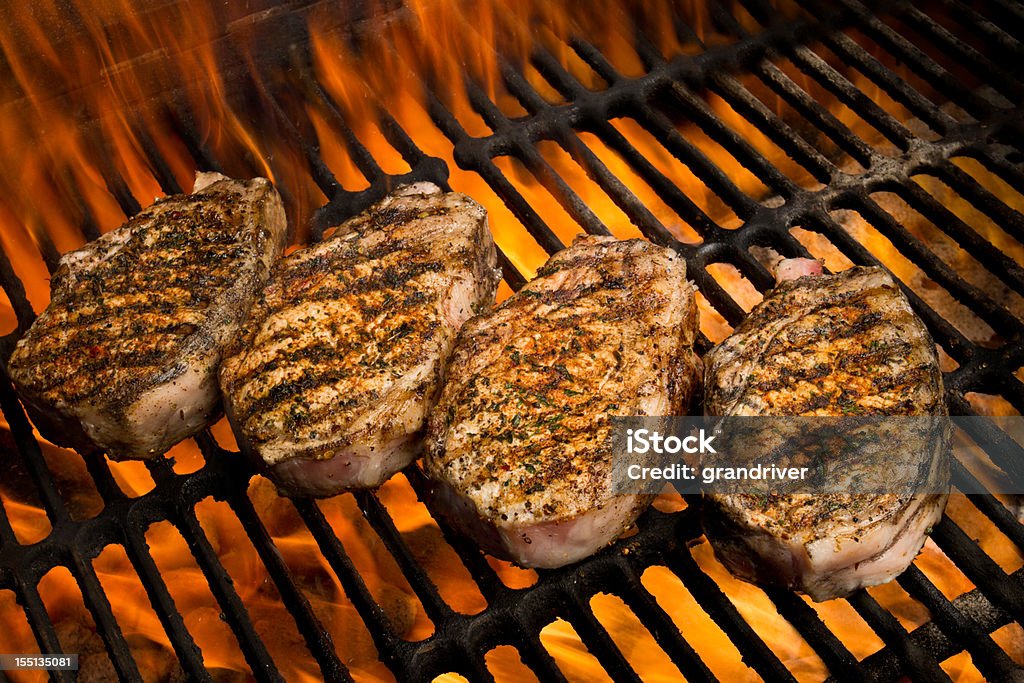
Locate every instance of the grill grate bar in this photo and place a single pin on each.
(599, 125)
(694, 216)
(96, 602)
(1008, 219)
(360, 156)
(8, 539)
(750, 268)
(724, 21)
(628, 202)
(42, 626)
(591, 56)
(32, 456)
(535, 656)
(317, 639)
(839, 660)
(47, 250)
(103, 479)
(990, 506)
(659, 125)
(118, 187)
(713, 292)
(852, 53)
(539, 167)
(343, 203)
(718, 606)
(732, 142)
(235, 613)
(399, 138)
(1001, 517)
(524, 92)
(638, 213)
(375, 513)
(945, 40)
(485, 577)
(1013, 391)
(822, 119)
(161, 169)
(1011, 10)
(920, 666)
(992, 313)
(185, 648)
(483, 166)
(755, 112)
(597, 640)
(979, 568)
(87, 222)
(662, 628)
(990, 659)
(321, 174)
(185, 128)
(475, 669)
(966, 237)
(884, 665)
(992, 34)
(387, 643)
(815, 67)
(923, 65)
(15, 290)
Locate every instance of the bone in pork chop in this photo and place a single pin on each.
(125, 356)
(519, 443)
(843, 344)
(344, 353)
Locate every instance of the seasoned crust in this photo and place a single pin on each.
(830, 345)
(522, 427)
(143, 307)
(344, 351)
(844, 344)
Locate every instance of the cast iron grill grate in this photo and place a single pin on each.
(947, 119)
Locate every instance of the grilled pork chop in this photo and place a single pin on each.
(125, 356)
(344, 353)
(844, 344)
(519, 443)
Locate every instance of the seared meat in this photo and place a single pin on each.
(125, 356)
(844, 344)
(343, 355)
(519, 443)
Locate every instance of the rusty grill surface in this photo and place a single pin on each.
(958, 78)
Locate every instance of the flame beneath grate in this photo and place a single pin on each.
(87, 110)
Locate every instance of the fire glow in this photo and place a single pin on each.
(91, 101)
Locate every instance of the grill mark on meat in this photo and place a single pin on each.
(343, 354)
(132, 332)
(137, 281)
(143, 305)
(393, 280)
(357, 352)
(845, 344)
(791, 360)
(339, 286)
(520, 437)
(306, 414)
